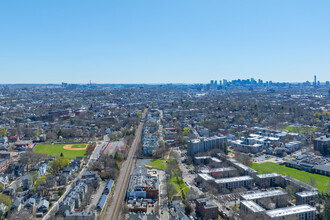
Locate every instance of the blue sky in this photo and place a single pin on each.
(157, 41)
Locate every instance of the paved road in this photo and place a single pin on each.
(55, 206)
(97, 195)
(112, 212)
(163, 201)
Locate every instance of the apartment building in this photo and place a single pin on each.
(277, 197)
(299, 212)
(269, 180)
(322, 144)
(205, 144)
(306, 197)
(234, 183)
(206, 209)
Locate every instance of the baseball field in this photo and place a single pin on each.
(70, 151)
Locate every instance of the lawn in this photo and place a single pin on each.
(57, 149)
(158, 164)
(300, 129)
(268, 167)
(174, 181)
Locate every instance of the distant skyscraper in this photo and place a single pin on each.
(211, 82)
(215, 82)
(224, 82)
(314, 80)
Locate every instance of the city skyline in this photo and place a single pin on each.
(163, 42)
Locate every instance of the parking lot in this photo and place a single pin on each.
(96, 196)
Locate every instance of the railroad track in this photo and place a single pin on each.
(113, 210)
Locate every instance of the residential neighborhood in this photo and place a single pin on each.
(165, 152)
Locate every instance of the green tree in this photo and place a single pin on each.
(225, 148)
(5, 200)
(186, 131)
(117, 165)
(58, 164)
(59, 133)
(34, 177)
(187, 209)
(119, 156)
(40, 182)
(37, 133)
(3, 132)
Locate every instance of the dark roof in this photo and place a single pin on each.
(87, 173)
(322, 167)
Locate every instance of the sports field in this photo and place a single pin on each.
(70, 151)
(300, 129)
(322, 182)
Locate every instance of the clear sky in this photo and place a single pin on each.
(161, 41)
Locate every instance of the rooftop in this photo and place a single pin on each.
(307, 193)
(254, 207)
(293, 210)
(233, 179)
(268, 175)
(205, 176)
(242, 166)
(207, 203)
(223, 169)
(140, 180)
(265, 194)
(323, 138)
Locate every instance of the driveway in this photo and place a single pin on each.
(97, 196)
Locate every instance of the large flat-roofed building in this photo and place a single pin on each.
(321, 169)
(276, 197)
(206, 209)
(204, 177)
(250, 208)
(300, 212)
(297, 184)
(205, 144)
(322, 144)
(241, 145)
(221, 172)
(143, 184)
(242, 168)
(306, 197)
(269, 180)
(206, 160)
(234, 183)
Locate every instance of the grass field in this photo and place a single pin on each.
(268, 167)
(174, 181)
(300, 129)
(57, 149)
(158, 164)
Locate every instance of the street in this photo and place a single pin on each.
(163, 200)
